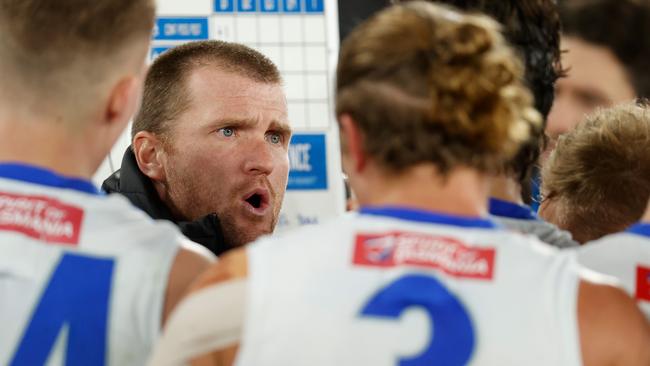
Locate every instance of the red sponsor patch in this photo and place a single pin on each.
(448, 255)
(40, 217)
(642, 283)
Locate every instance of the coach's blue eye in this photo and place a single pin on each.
(275, 138)
(227, 131)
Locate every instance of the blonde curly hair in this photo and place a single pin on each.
(425, 83)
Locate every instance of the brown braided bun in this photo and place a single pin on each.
(428, 84)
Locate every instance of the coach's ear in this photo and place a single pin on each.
(150, 155)
(352, 144)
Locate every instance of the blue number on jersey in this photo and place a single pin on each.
(77, 296)
(453, 342)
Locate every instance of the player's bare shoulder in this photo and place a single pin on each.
(232, 265)
(612, 329)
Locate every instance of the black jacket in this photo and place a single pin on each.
(138, 188)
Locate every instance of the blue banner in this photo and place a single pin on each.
(181, 29)
(308, 162)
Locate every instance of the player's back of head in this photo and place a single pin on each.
(62, 55)
(532, 28)
(597, 181)
(447, 91)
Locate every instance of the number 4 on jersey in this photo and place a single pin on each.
(453, 342)
(77, 296)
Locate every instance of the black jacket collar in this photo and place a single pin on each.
(138, 188)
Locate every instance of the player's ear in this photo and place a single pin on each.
(352, 142)
(123, 102)
(150, 155)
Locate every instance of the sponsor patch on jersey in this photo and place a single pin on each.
(642, 283)
(40, 217)
(448, 255)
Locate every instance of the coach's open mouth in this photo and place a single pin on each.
(257, 201)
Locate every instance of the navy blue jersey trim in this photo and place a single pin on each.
(417, 215)
(45, 177)
(642, 229)
(511, 210)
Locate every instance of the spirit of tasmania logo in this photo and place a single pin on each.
(40, 217)
(445, 254)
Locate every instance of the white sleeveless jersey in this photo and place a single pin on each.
(625, 256)
(395, 286)
(82, 275)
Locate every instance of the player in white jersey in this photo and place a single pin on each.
(83, 276)
(85, 279)
(429, 103)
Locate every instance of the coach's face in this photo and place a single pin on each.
(228, 153)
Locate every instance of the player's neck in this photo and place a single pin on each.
(462, 192)
(47, 145)
(506, 188)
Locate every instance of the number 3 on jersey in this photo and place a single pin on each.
(453, 342)
(77, 296)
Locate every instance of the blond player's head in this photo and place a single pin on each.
(597, 181)
(426, 84)
(72, 62)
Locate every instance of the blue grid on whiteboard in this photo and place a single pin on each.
(293, 34)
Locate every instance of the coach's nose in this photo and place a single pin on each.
(259, 158)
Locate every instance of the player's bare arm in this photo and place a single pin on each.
(231, 266)
(612, 329)
(190, 262)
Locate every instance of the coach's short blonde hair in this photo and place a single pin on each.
(599, 174)
(425, 83)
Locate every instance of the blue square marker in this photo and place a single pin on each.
(224, 6)
(247, 6)
(292, 6)
(269, 6)
(314, 6)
